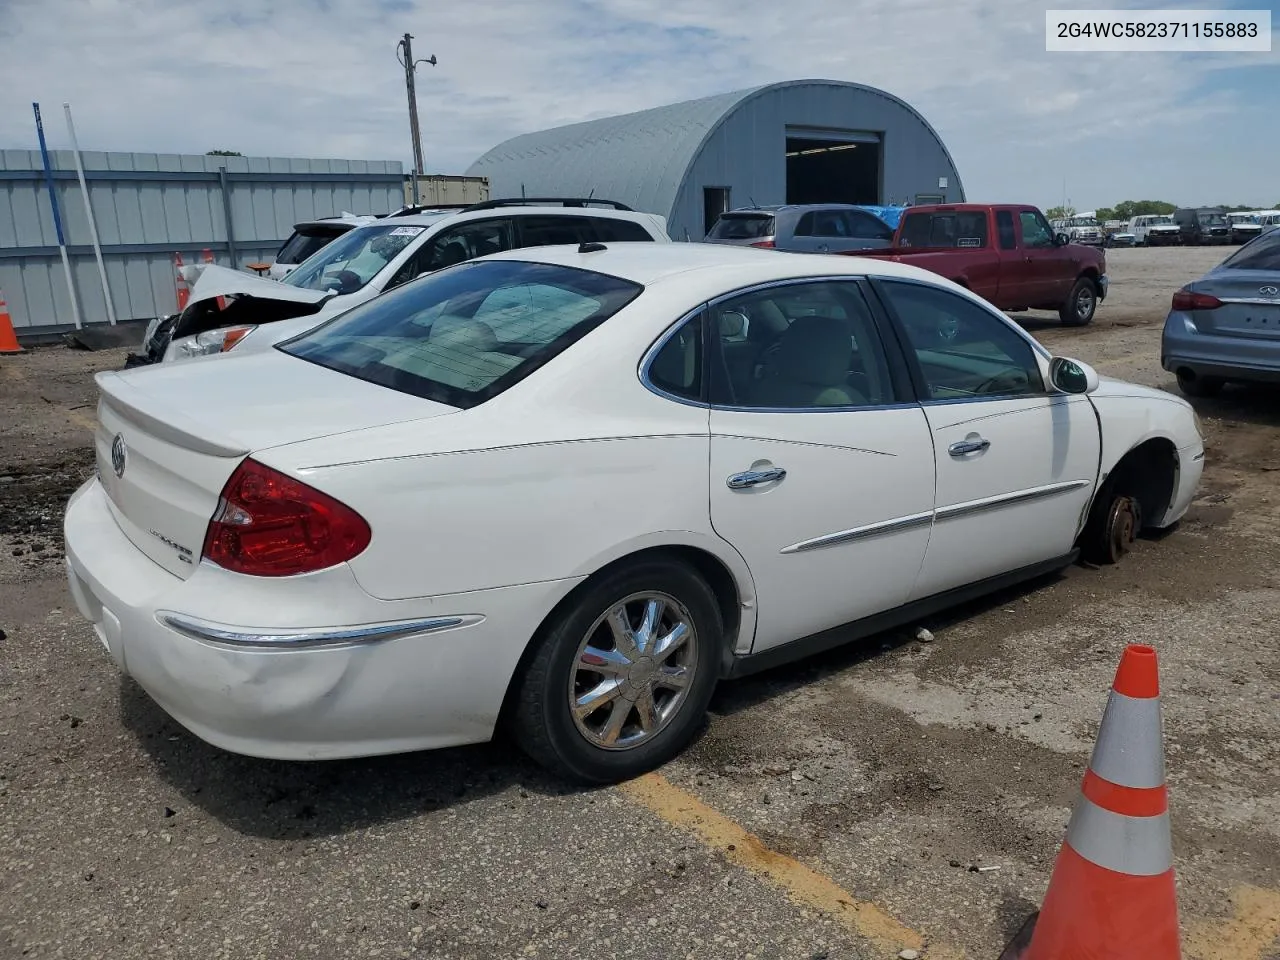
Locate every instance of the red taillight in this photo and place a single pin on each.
(270, 525)
(763, 243)
(1190, 300)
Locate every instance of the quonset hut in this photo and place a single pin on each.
(802, 141)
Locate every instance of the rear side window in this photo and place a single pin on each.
(945, 229)
(738, 226)
(1261, 253)
(467, 333)
(866, 227)
(609, 230)
(550, 231)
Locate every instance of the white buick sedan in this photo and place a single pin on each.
(572, 488)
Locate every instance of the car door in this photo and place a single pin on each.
(821, 465)
(1016, 463)
(864, 232)
(805, 238)
(1042, 264)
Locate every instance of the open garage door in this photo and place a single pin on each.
(833, 166)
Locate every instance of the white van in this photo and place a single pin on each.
(1154, 230)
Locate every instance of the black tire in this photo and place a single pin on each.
(1081, 304)
(541, 720)
(1194, 386)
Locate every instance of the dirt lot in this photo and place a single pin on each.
(893, 795)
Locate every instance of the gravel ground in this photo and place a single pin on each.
(894, 768)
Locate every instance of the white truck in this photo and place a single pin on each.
(1082, 228)
(1154, 230)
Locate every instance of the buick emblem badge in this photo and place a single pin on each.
(1269, 291)
(118, 455)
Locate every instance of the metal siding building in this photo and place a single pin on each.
(149, 206)
(679, 160)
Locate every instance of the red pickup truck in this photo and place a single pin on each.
(1006, 253)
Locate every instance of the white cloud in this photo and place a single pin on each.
(320, 78)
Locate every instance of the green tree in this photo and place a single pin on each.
(1127, 209)
(1104, 214)
(223, 153)
(1060, 213)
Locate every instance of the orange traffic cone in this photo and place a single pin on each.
(1111, 896)
(184, 294)
(8, 339)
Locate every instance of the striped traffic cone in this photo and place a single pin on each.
(1111, 896)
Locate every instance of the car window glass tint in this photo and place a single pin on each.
(738, 226)
(463, 335)
(550, 231)
(1262, 253)
(866, 227)
(802, 345)
(1004, 224)
(677, 366)
(611, 230)
(963, 350)
(1035, 232)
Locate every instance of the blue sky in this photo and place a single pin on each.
(319, 78)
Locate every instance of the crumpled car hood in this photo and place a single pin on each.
(216, 281)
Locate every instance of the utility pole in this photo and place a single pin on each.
(404, 53)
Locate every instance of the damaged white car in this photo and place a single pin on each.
(228, 306)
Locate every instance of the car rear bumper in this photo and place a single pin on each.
(1207, 355)
(337, 675)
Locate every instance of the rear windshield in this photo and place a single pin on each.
(355, 258)
(1260, 253)
(464, 334)
(306, 242)
(950, 229)
(742, 226)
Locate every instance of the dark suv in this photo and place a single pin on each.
(1202, 225)
(803, 228)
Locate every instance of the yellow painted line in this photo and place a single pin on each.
(1249, 934)
(802, 884)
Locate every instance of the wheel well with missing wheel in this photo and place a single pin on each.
(1149, 474)
(708, 566)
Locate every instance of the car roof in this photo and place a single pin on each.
(652, 263)
(776, 207)
(429, 217)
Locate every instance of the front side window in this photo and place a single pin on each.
(798, 346)
(963, 351)
(1036, 234)
(462, 336)
(355, 258)
(866, 227)
(455, 245)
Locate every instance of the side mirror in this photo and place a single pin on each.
(1072, 376)
(1061, 239)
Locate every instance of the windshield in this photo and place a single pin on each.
(739, 226)
(466, 333)
(1082, 222)
(350, 262)
(1260, 253)
(1212, 218)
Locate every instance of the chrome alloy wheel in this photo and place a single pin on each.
(632, 671)
(1085, 301)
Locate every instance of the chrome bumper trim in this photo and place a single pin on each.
(247, 638)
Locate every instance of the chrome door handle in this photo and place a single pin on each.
(965, 447)
(751, 478)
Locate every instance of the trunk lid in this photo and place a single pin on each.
(170, 436)
(1250, 304)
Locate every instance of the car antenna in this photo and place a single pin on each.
(591, 246)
